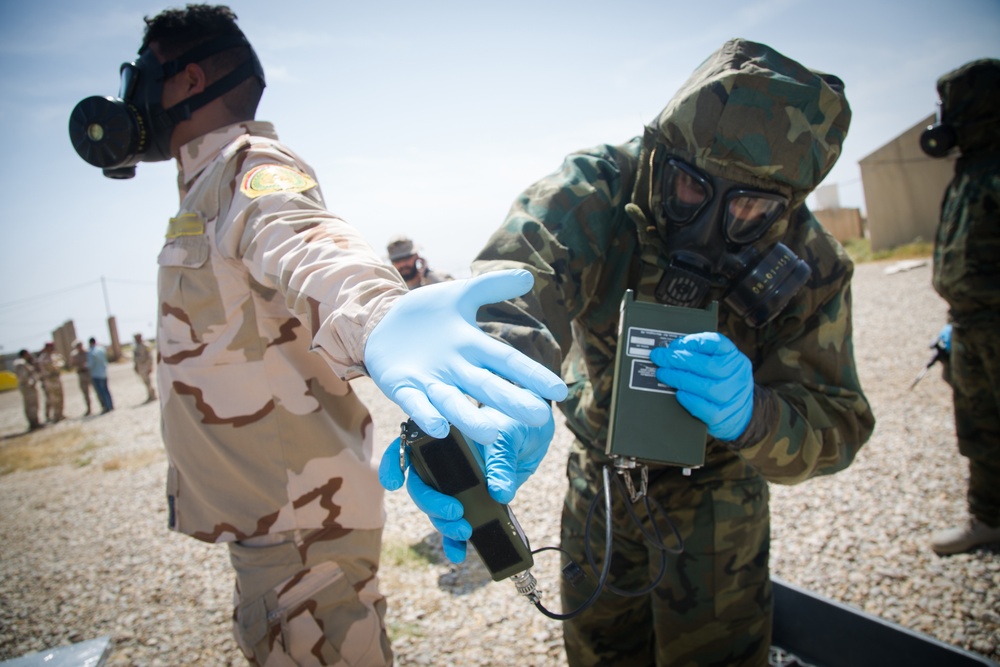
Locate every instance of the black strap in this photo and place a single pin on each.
(182, 110)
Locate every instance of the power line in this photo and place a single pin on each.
(35, 299)
(60, 292)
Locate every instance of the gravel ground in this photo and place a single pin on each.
(84, 551)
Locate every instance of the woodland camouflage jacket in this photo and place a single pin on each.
(748, 114)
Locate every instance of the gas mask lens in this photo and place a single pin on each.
(747, 213)
(685, 192)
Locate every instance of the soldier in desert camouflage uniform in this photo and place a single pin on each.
(967, 276)
(27, 383)
(142, 363)
(760, 131)
(268, 304)
(78, 361)
(49, 362)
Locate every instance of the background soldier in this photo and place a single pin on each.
(142, 362)
(78, 361)
(97, 362)
(27, 382)
(411, 266)
(967, 276)
(49, 362)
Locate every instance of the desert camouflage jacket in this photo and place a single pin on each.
(572, 231)
(266, 300)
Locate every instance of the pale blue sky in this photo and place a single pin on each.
(421, 118)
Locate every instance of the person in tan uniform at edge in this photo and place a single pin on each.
(27, 382)
(142, 363)
(268, 303)
(78, 362)
(411, 266)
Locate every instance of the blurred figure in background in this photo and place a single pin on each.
(411, 266)
(49, 362)
(27, 383)
(97, 360)
(142, 362)
(78, 362)
(967, 276)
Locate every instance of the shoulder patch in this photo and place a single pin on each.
(269, 178)
(186, 224)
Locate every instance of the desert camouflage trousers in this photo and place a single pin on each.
(713, 605)
(975, 380)
(53, 389)
(29, 394)
(306, 598)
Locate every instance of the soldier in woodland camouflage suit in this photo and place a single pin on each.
(967, 276)
(759, 131)
(268, 304)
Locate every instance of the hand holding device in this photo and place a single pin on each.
(714, 381)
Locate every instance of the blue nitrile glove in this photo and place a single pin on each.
(714, 381)
(945, 337)
(510, 460)
(515, 455)
(444, 511)
(427, 353)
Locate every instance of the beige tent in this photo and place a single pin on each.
(903, 190)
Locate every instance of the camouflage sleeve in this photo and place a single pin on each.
(559, 230)
(810, 414)
(329, 276)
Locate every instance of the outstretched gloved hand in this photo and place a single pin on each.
(427, 353)
(714, 381)
(510, 460)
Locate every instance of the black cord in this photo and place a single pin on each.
(655, 539)
(603, 578)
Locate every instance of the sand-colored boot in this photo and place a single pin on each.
(965, 537)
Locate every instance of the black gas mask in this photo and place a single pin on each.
(116, 133)
(712, 227)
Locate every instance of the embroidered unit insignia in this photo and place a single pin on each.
(269, 178)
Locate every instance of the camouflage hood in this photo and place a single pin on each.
(970, 102)
(751, 115)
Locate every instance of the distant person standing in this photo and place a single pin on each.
(142, 362)
(48, 363)
(967, 276)
(78, 362)
(97, 359)
(27, 382)
(411, 266)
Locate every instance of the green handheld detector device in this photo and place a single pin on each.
(648, 424)
(453, 466)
